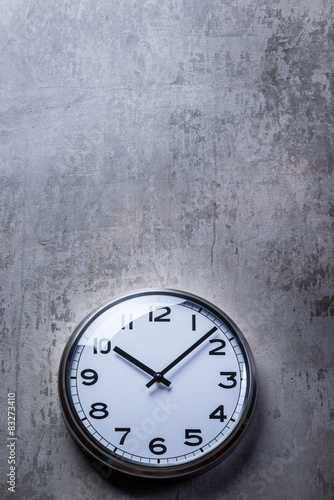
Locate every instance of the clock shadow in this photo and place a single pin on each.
(220, 478)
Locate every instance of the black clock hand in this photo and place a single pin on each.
(157, 376)
(183, 355)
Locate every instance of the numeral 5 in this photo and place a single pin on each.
(193, 434)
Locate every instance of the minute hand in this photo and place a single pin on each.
(183, 355)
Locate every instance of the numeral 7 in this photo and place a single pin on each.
(126, 431)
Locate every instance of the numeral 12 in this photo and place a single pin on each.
(161, 317)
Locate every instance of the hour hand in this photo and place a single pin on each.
(158, 377)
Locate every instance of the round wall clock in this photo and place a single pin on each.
(157, 383)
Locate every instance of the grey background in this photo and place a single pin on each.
(184, 144)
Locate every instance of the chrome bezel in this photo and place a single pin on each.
(101, 455)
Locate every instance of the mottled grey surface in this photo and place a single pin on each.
(174, 143)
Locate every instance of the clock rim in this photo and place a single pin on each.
(188, 469)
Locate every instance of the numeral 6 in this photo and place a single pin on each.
(157, 448)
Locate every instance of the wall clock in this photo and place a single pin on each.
(157, 383)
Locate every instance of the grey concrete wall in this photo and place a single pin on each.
(176, 143)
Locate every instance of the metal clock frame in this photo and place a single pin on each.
(92, 449)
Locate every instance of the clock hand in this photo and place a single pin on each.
(183, 355)
(158, 377)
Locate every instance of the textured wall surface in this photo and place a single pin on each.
(177, 143)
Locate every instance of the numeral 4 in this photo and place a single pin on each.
(218, 414)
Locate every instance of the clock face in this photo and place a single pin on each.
(157, 383)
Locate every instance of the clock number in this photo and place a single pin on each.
(157, 448)
(193, 322)
(230, 376)
(161, 317)
(90, 375)
(104, 346)
(218, 414)
(193, 434)
(100, 412)
(217, 350)
(125, 323)
(126, 431)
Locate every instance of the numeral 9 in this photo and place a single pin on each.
(90, 375)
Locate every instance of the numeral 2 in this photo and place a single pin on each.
(217, 350)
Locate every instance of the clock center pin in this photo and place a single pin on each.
(158, 376)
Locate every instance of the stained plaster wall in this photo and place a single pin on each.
(185, 144)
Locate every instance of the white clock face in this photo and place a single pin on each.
(159, 381)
